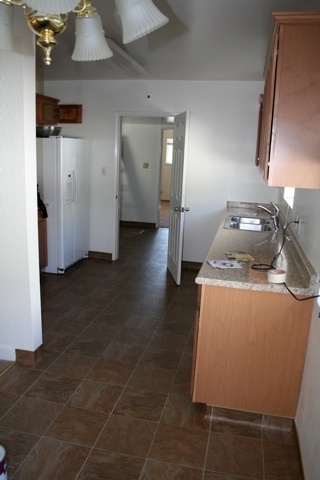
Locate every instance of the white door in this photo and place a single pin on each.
(177, 196)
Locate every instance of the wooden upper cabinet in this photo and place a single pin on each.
(288, 145)
(47, 110)
(70, 113)
(50, 112)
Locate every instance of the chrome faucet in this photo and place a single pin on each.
(274, 215)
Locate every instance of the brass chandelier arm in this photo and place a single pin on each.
(82, 9)
(15, 3)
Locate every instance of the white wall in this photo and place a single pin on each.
(141, 144)
(221, 147)
(20, 314)
(166, 168)
(307, 208)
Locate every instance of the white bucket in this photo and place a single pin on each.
(3, 464)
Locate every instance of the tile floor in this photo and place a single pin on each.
(109, 397)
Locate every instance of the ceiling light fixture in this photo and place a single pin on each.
(48, 19)
(138, 18)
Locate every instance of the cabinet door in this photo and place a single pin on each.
(288, 147)
(266, 111)
(295, 148)
(42, 239)
(70, 113)
(47, 110)
(250, 350)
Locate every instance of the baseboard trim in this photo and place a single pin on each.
(124, 223)
(27, 358)
(100, 255)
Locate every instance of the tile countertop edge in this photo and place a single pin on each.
(301, 277)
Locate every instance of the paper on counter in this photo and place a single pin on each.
(238, 255)
(222, 264)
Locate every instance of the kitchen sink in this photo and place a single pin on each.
(253, 224)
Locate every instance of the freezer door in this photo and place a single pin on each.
(81, 199)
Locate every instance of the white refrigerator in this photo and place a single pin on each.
(62, 176)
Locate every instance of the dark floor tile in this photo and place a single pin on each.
(168, 341)
(222, 476)
(134, 336)
(52, 460)
(235, 455)
(73, 365)
(152, 378)
(111, 372)
(114, 465)
(181, 411)
(235, 422)
(141, 404)
(7, 400)
(78, 426)
(53, 388)
(31, 415)
(176, 326)
(57, 342)
(123, 353)
(96, 396)
(155, 470)
(282, 462)
(92, 347)
(161, 359)
(112, 317)
(18, 380)
(182, 446)
(68, 326)
(106, 313)
(17, 445)
(182, 380)
(146, 321)
(127, 435)
(101, 331)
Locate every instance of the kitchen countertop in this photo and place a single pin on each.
(262, 246)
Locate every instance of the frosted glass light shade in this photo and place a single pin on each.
(90, 43)
(52, 6)
(138, 18)
(6, 26)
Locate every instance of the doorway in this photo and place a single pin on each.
(166, 170)
(180, 124)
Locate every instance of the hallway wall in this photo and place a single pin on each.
(140, 169)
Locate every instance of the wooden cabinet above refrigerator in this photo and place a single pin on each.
(50, 112)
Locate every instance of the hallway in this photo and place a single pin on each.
(109, 398)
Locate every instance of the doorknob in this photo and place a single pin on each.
(181, 209)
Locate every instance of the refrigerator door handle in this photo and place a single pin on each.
(76, 186)
(69, 190)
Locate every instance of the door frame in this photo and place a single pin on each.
(117, 159)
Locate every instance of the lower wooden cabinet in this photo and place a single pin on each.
(249, 350)
(42, 238)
